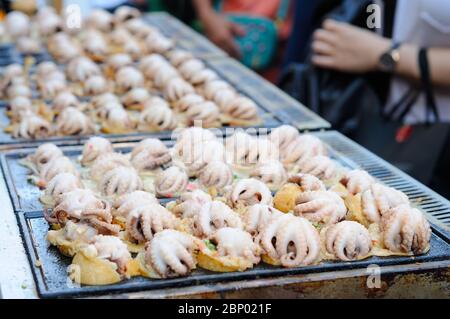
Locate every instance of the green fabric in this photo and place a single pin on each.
(156, 5)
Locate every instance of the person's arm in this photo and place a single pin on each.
(217, 28)
(347, 48)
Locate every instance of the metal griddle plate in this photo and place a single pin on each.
(50, 267)
(268, 95)
(186, 38)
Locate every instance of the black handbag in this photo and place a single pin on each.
(336, 96)
(416, 149)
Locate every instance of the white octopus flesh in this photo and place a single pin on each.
(32, 127)
(82, 205)
(378, 199)
(293, 241)
(188, 139)
(302, 148)
(56, 166)
(205, 113)
(118, 119)
(17, 24)
(144, 222)
(357, 181)
(44, 154)
(19, 106)
(106, 162)
(271, 173)
(128, 78)
(188, 101)
(150, 154)
(171, 181)
(64, 100)
(158, 117)
(257, 216)
(284, 136)
(235, 242)
(171, 253)
(127, 202)
(95, 85)
(62, 183)
(212, 216)
(111, 248)
(202, 77)
(307, 183)
(119, 181)
(242, 108)
(189, 203)
(249, 192)
(405, 229)
(320, 166)
(262, 151)
(177, 57)
(72, 121)
(217, 174)
(348, 241)
(176, 88)
(238, 147)
(81, 68)
(118, 61)
(325, 207)
(155, 42)
(190, 67)
(95, 147)
(136, 98)
(200, 155)
(125, 13)
(100, 19)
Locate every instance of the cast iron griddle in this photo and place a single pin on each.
(50, 267)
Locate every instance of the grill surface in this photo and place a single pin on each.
(267, 95)
(50, 267)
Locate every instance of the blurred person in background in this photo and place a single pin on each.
(411, 128)
(243, 28)
(112, 5)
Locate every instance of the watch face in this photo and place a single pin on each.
(387, 62)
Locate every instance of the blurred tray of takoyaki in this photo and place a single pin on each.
(51, 269)
(267, 95)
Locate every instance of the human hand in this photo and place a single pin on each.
(221, 31)
(343, 47)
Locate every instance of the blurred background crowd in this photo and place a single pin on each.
(377, 70)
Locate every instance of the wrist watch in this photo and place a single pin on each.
(389, 59)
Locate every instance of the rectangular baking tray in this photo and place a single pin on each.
(50, 267)
(8, 142)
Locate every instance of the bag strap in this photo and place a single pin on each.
(406, 102)
(403, 106)
(427, 86)
(283, 11)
